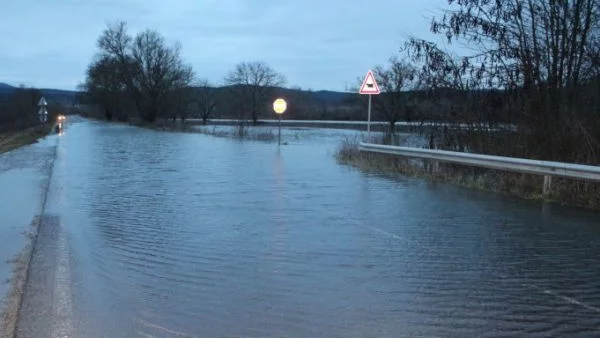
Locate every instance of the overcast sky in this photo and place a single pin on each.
(316, 44)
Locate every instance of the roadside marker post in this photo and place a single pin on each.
(369, 87)
(43, 113)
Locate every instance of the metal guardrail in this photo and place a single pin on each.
(546, 168)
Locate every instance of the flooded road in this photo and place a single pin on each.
(154, 234)
(24, 176)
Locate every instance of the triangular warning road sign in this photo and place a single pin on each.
(369, 85)
(42, 102)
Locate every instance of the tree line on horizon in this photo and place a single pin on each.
(533, 65)
(144, 76)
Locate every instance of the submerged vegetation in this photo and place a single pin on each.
(564, 191)
(240, 131)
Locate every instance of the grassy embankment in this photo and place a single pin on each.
(14, 139)
(564, 191)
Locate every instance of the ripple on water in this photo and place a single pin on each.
(203, 236)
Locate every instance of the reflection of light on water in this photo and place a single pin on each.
(278, 172)
(279, 213)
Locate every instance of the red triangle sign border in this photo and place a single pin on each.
(364, 89)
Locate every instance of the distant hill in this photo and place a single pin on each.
(321, 96)
(56, 95)
(63, 96)
(331, 96)
(326, 96)
(304, 104)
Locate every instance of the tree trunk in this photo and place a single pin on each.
(254, 117)
(392, 126)
(151, 114)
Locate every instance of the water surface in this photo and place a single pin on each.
(189, 235)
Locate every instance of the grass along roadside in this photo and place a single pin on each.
(564, 191)
(15, 139)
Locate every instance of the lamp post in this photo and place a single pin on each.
(279, 106)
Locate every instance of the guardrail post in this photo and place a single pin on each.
(547, 186)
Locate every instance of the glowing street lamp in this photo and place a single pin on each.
(279, 106)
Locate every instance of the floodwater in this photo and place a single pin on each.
(190, 235)
(24, 175)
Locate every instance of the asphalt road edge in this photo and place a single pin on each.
(22, 263)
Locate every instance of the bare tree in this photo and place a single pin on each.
(541, 53)
(146, 66)
(179, 103)
(398, 82)
(252, 84)
(158, 71)
(103, 85)
(115, 44)
(205, 100)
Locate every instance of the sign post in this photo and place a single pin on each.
(279, 106)
(43, 113)
(369, 87)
